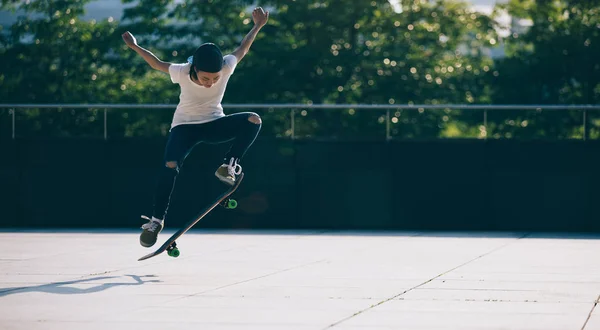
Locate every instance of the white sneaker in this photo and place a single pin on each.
(150, 231)
(227, 172)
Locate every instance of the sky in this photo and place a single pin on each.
(107, 8)
(110, 7)
(103, 9)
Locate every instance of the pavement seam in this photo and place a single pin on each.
(320, 232)
(591, 312)
(419, 285)
(248, 280)
(7, 291)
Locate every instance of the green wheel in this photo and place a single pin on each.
(173, 253)
(231, 204)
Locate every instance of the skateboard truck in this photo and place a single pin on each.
(173, 251)
(229, 203)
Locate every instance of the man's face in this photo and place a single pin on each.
(207, 79)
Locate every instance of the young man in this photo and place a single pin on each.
(199, 116)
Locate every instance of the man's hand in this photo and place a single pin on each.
(260, 17)
(152, 60)
(129, 39)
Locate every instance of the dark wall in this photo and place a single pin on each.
(436, 185)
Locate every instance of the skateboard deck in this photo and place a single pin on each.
(170, 243)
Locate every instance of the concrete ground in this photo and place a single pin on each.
(300, 280)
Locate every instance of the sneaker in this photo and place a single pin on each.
(227, 172)
(150, 231)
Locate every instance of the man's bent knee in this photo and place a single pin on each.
(171, 165)
(255, 119)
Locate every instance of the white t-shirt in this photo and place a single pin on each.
(198, 104)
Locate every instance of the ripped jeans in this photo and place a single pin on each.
(241, 128)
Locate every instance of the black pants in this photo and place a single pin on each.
(182, 139)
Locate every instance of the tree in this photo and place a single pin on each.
(326, 51)
(365, 52)
(51, 56)
(554, 62)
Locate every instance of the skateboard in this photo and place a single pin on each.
(171, 246)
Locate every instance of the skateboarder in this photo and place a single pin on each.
(199, 116)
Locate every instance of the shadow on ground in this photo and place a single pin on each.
(66, 288)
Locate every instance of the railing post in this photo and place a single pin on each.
(388, 136)
(585, 130)
(485, 124)
(292, 115)
(105, 125)
(12, 111)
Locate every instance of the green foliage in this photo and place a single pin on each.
(343, 51)
(557, 57)
(555, 61)
(51, 55)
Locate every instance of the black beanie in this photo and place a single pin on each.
(208, 58)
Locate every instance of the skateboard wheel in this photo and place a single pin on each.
(173, 253)
(231, 204)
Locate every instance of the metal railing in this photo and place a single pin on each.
(293, 108)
